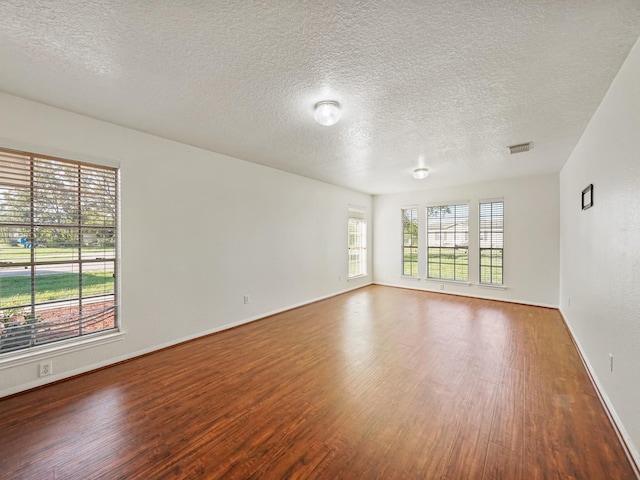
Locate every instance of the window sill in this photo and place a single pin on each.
(356, 277)
(409, 277)
(42, 352)
(451, 282)
(490, 286)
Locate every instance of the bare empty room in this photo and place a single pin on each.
(319, 240)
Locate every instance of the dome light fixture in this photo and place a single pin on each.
(420, 173)
(327, 112)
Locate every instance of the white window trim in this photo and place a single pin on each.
(445, 203)
(490, 200)
(494, 286)
(359, 213)
(356, 277)
(452, 282)
(441, 204)
(62, 347)
(68, 345)
(402, 209)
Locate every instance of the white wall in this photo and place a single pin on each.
(600, 247)
(199, 231)
(530, 245)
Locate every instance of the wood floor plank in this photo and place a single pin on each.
(508, 420)
(503, 464)
(377, 383)
(468, 455)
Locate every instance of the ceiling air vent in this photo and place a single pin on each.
(522, 147)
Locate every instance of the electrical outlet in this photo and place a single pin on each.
(46, 368)
(569, 302)
(339, 278)
(442, 286)
(246, 299)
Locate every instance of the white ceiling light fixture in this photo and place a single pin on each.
(420, 173)
(327, 112)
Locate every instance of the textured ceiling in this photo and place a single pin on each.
(442, 84)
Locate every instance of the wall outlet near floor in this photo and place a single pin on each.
(442, 286)
(246, 299)
(46, 368)
(339, 278)
(611, 362)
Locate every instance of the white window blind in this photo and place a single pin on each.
(491, 242)
(448, 242)
(58, 244)
(410, 242)
(357, 233)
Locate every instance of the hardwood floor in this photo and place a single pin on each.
(377, 383)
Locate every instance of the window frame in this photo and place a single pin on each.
(487, 235)
(413, 246)
(357, 217)
(442, 237)
(98, 193)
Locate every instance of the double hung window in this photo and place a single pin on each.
(448, 242)
(410, 242)
(357, 239)
(58, 244)
(491, 242)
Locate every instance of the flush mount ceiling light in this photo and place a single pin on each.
(327, 112)
(420, 173)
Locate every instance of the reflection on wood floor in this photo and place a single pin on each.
(377, 383)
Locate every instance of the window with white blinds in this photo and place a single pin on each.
(491, 242)
(58, 246)
(410, 242)
(357, 233)
(448, 242)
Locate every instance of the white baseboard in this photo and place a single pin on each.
(112, 361)
(472, 295)
(627, 444)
